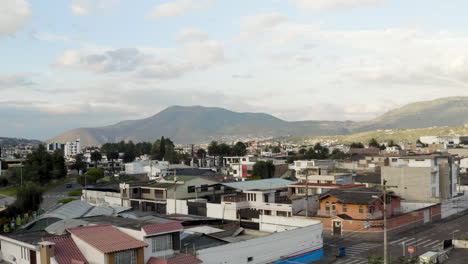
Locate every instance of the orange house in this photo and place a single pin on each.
(359, 203)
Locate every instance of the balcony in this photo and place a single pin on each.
(234, 198)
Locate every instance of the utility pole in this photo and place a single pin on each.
(175, 189)
(385, 220)
(307, 195)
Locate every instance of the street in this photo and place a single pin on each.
(423, 239)
(51, 197)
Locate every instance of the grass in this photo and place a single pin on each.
(9, 191)
(67, 200)
(75, 192)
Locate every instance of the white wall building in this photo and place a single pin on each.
(72, 148)
(239, 167)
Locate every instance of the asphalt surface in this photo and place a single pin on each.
(425, 238)
(51, 197)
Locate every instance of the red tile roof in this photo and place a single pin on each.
(178, 259)
(162, 228)
(106, 238)
(66, 251)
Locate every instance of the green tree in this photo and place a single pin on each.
(213, 148)
(79, 163)
(356, 145)
(374, 143)
(28, 197)
(38, 166)
(112, 156)
(338, 154)
(162, 147)
(58, 164)
(276, 149)
(263, 169)
(224, 150)
(90, 177)
(201, 153)
(239, 149)
(96, 157)
(143, 148)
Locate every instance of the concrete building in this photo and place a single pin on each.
(239, 167)
(422, 178)
(72, 148)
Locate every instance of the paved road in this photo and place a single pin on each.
(423, 239)
(51, 197)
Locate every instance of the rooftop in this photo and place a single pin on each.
(265, 184)
(354, 195)
(106, 238)
(66, 251)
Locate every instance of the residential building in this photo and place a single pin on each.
(239, 167)
(72, 148)
(422, 178)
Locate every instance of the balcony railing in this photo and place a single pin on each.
(233, 198)
(326, 213)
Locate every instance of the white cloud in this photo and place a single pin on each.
(254, 26)
(14, 14)
(191, 34)
(177, 8)
(45, 36)
(11, 81)
(86, 7)
(318, 5)
(146, 62)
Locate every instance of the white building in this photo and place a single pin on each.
(72, 148)
(153, 168)
(239, 167)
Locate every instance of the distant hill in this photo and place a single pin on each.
(12, 142)
(448, 111)
(198, 124)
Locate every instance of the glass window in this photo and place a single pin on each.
(333, 206)
(191, 189)
(204, 188)
(344, 208)
(162, 243)
(145, 190)
(361, 209)
(125, 257)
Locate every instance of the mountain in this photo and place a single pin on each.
(448, 111)
(198, 124)
(12, 142)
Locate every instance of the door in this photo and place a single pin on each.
(337, 227)
(426, 216)
(32, 257)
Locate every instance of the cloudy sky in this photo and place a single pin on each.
(78, 63)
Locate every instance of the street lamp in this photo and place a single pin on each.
(384, 201)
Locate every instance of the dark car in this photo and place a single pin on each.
(68, 185)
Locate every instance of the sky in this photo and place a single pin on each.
(83, 63)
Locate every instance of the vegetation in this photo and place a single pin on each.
(96, 157)
(201, 153)
(223, 149)
(317, 152)
(77, 192)
(42, 167)
(90, 177)
(164, 149)
(11, 191)
(28, 198)
(356, 145)
(263, 169)
(66, 200)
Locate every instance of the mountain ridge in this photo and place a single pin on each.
(200, 124)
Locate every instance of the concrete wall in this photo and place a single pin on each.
(267, 248)
(460, 243)
(101, 198)
(222, 211)
(10, 250)
(178, 207)
(269, 223)
(454, 206)
(413, 183)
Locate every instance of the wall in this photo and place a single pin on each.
(460, 243)
(269, 223)
(9, 249)
(267, 248)
(221, 211)
(91, 254)
(454, 206)
(101, 198)
(181, 205)
(413, 184)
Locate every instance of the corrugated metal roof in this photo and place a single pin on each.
(66, 251)
(265, 184)
(106, 238)
(162, 228)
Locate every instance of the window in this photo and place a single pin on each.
(327, 206)
(191, 189)
(344, 208)
(217, 187)
(135, 190)
(243, 159)
(125, 257)
(267, 212)
(281, 213)
(370, 209)
(333, 207)
(252, 197)
(249, 259)
(145, 190)
(361, 209)
(204, 188)
(394, 159)
(161, 243)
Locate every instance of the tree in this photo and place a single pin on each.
(213, 148)
(4, 165)
(374, 143)
(28, 197)
(239, 149)
(356, 145)
(90, 177)
(302, 151)
(143, 148)
(263, 169)
(113, 155)
(79, 163)
(276, 149)
(96, 157)
(162, 148)
(38, 166)
(338, 154)
(58, 163)
(201, 153)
